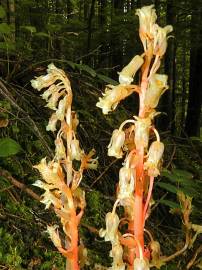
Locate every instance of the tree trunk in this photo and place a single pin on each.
(192, 126)
(168, 99)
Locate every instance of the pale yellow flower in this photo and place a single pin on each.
(61, 108)
(49, 92)
(154, 157)
(60, 151)
(147, 18)
(112, 223)
(126, 183)
(116, 143)
(112, 96)
(53, 100)
(76, 151)
(128, 72)
(49, 171)
(160, 38)
(54, 235)
(52, 123)
(117, 254)
(43, 81)
(49, 198)
(157, 86)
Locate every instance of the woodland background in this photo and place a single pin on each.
(92, 40)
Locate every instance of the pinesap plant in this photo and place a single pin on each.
(136, 139)
(62, 175)
(139, 142)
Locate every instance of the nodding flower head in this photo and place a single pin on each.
(147, 18)
(157, 86)
(112, 223)
(128, 72)
(76, 152)
(154, 157)
(126, 183)
(117, 254)
(160, 38)
(112, 96)
(116, 143)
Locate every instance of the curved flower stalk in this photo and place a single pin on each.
(60, 179)
(134, 139)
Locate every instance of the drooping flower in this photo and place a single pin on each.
(61, 108)
(147, 18)
(154, 157)
(111, 231)
(60, 151)
(49, 198)
(76, 151)
(43, 81)
(116, 143)
(52, 123)
(128, 72)
(112, 96)
(117, 254)
(126, 183)
(160, 39)
(54, 235)
(142, 126)
(49, 171)
(157, 86)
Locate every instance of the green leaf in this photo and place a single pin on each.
(167, 187)
(5, 28)
(71, 64)
(2, 12)
(87, 69)
(107, 79)
(31, 29)
(9, 147)
(42, 34)
(10, 46)
(170, 204)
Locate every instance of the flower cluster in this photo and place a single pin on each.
(60, 179)
(143, 154)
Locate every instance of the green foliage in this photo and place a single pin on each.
(9, 147)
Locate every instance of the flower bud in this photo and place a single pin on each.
(116, 143)
(128, 72)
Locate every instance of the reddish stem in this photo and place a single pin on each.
(151, 184)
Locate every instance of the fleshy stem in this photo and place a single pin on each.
(138, 204)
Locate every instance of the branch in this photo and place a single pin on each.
(19, 185)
